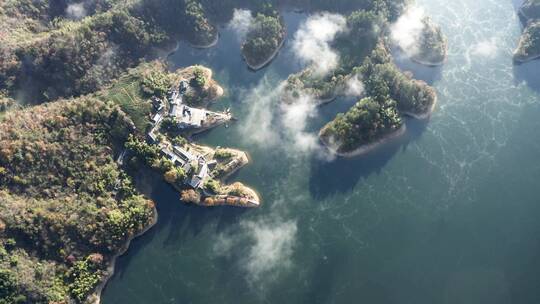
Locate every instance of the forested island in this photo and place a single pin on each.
(85, 108)
(391, 95)
(264, 38)
(529, 44)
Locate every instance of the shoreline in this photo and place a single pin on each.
(519, 61)
(422, 116)
(324, 101)
(528, 21)
(430, 64)
(205, 46)
(366, 148)
(319, 102)
(95, 297)
(419, 60)
(270, 58)
(201, 130)
(527, 60)
(245, 161)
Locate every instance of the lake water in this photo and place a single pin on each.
(450, 213)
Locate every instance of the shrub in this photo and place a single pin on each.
(212, 185)
(190, 196)
(199, 79)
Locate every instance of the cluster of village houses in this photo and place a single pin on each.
(189, 119)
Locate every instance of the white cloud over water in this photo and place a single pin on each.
(311, 42)
(262, 248)
(295, 118)
(406, 32)
(260, 126)
(272, 248)
(241, 22)
(284, 126)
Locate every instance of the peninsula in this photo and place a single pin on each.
(196, 171)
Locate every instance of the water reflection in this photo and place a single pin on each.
(421, 72)
(528, 73)
(343, 174)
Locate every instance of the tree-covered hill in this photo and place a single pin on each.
(65, 206)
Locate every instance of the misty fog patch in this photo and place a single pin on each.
(76, 11)
(262, 249)
(241, 22)
(272, 124)
(406, 32)
(311, 43)
(354, 86)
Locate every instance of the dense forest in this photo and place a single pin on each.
(366, 122)
(65, 206)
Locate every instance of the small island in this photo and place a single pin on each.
(264, 39)
(366, 125)
(529, 44)
(433, 45)
(321, 89)
(200, 32)
(377, 118)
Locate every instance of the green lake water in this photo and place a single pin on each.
(450, 213)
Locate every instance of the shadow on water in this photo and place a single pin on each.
(342, 174)
(421, 72)
(178, 220)
(528, 73)
(517, 4)
(226, 56)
